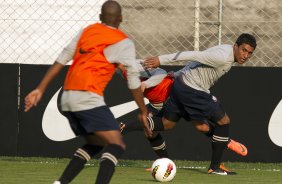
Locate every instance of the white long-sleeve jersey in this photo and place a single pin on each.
(203, 68)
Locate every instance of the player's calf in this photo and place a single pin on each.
(159, 145)
(108, 162)
(80, 157)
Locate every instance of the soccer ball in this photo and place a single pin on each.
(163, 170)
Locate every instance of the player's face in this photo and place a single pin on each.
(243, 52)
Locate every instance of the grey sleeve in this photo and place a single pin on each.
(156, 76)
(124, 52)
(68, 52)
(213, 58)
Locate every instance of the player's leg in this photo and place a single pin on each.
(155, 123)
(158, 145)
(130, 126)
(220, 139)
(81, 156)
(101, 121)
(154, 120)
(157, 142)
(200, 106)
(207, 128)
(218, 144)
(85, 152)
(168, 120)
(112, 152)
(204, 128)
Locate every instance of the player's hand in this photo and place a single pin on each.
(147, 130)
(152, 62)
(32, 99)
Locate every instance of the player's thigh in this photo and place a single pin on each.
(171, 112)
(93, 139)
(103, 138)
(218, 114)
(111, 137)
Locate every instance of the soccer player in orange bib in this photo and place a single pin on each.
(95, 52)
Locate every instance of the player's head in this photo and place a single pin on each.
(111, 13)
(247, 39)
(244, 47)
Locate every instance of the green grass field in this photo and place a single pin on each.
(14, 170)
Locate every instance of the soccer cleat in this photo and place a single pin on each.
(237, 147)
(57, 182)
(217, 171)
(220, 171)
(222, 167)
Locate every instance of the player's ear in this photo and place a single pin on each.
(101, 17)
(120, 18)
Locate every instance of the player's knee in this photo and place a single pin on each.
(123, 146)
(202, 127)
(119, 143)
(168, 125)
(110, 137)
(224, 121)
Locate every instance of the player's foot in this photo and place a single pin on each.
(222, 167)
(237, 147)
(121, 126)
(57, 182)
(220, 171)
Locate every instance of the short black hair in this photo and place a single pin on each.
(110, 11)
(247, 39)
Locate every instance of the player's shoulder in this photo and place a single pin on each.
(223, 47)
(126, 42)
(221, 53)
(226, 46)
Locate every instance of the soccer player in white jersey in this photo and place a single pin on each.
(156, 85)
(190, 95)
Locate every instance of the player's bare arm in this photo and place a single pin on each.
(35, 95)
(139, 99)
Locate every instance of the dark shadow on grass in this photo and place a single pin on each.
(147, 180)
(196, 170)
